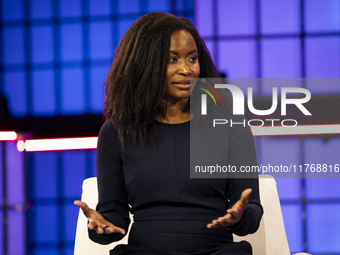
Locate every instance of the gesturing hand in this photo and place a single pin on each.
(97, 221)
(234, 214)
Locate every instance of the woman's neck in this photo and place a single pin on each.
(176, 112)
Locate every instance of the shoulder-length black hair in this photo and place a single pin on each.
(136, 82)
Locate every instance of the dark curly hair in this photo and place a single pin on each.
(136, 82)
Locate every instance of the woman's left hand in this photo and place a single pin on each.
(234, 214)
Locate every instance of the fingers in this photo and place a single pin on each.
(86, 210)
(245, 195)
(109, 229)
(234, 214)
(118, 230)
(222, 222)
(97, 222)
(92, 224)
(210, 225)
(241, 204)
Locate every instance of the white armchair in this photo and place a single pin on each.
(270, 239)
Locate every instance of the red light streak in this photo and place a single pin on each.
(298, 130)
(8, 135)
(82, 143)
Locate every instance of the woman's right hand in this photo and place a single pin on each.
(97, 222)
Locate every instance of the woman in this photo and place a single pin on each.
(143, 152)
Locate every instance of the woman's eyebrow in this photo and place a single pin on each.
(176, 53)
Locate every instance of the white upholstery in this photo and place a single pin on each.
(270, 239)
(83, 245)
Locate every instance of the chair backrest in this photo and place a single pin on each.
(270, 239)
(83, 245)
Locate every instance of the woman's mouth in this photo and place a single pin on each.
(185, 84)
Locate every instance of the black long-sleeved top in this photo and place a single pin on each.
(171, 210)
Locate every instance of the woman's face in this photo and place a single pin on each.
(183, 65)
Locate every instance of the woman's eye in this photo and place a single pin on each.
(173, 59)
(193, 59)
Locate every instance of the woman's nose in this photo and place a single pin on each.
(185, 69)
